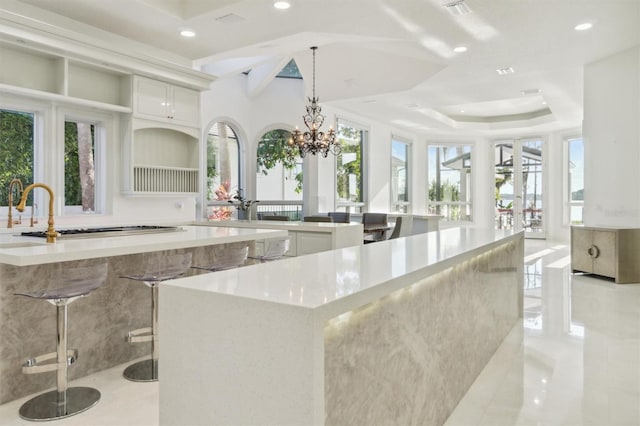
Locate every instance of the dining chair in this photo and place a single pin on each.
(317, 219)
(340, 217)
(375, 225)
(403, 227)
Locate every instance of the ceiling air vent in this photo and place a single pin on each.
(230, 18)
(531, 92)
(457, 8)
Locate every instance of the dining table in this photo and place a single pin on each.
(375, 232)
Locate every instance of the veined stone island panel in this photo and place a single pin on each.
(410, 357)
(97, 324)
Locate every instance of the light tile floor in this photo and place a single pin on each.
(574, 360)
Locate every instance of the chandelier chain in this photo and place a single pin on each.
(314, 71)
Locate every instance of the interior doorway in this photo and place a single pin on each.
(519, 183)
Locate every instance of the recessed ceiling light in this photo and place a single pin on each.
(462, 111)
(505, 71)
(457, 7)
(584, 26)
(187, 33)
(544, 102)
(282, 5)
(460, 49)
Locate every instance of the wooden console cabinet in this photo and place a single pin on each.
(606, 251)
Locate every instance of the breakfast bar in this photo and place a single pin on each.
(388, 333)
(98, 323)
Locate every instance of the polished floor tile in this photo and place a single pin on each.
(573, 360)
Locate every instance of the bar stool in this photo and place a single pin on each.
(226, 257)
(274, 249)
(159, 269)
(64, 401)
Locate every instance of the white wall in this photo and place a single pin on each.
(612, 140)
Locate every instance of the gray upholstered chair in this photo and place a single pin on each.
(403, 227)
(317, 219)
(374, 225)
(340, 217)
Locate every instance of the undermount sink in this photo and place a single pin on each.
(111, 231)
(14, 245)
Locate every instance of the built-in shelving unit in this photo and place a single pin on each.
(160, 121)
(162, 140)
(39, 75)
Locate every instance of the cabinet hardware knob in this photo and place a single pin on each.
(593, 251)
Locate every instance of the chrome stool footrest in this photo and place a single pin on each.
(36, 365)
(140, 335)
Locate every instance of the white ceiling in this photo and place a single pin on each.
(393, 60)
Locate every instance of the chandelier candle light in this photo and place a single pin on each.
(314, 141)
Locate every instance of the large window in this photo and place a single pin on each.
(278, 177)
(400, 151)
(575, 180)
(449, 182)
(223, 170)
(16, 154)
(349, 167)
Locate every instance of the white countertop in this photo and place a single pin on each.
(336, 281)
(326, 227)
(88, 248)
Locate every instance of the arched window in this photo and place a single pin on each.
(223, 170)
(279, 176)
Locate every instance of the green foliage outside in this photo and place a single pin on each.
(16, 156)
(16, 152)
(350, 140)
(273, 149)
(448, 192)
(72, 186)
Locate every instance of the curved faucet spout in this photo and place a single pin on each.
(51, 232)
(20, 187)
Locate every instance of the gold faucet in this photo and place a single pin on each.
(51, 233)
(13, 182)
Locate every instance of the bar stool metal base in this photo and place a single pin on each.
(142, 371)
(45, 406)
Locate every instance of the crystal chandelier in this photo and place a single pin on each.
(313, 141)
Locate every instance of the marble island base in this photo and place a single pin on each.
(392, 333)
(97, 323)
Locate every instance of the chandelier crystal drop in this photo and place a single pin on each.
(314, 140)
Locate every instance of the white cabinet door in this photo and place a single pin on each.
(151, 98)
(604, 261)
(156, 100)
(185, 106)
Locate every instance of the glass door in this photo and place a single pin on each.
(519, 186)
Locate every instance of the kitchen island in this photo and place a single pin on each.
(387, 333)
(305, 237)
(98, 323)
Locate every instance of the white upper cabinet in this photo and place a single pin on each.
(156, 100)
